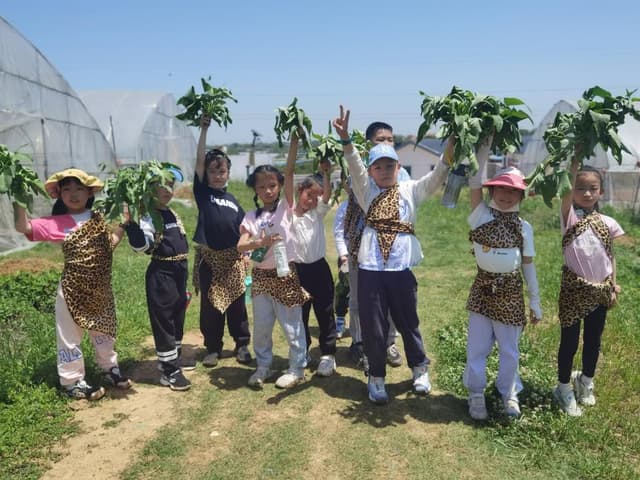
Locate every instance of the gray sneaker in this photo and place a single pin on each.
(242, 355)
(394, 357)
(211, 359)
(584, 393)
(567, 402)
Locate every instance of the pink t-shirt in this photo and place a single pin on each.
(586, 256)
(55, 228)
(279, 221)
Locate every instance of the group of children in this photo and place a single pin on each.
(284, 240)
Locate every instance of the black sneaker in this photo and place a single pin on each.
(114, 378)
(175, 381)
(243, 355)
(187, 364)
(358, 357)
(83, 391)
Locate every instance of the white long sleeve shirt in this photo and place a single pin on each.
(406, 250)
(338, 229)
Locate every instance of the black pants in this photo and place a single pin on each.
(569, 339)
(316, 279)
(166, 287)
(212, 320)
(381, 294)
(341, 304)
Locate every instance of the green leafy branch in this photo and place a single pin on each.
(20, 183)
(134, 189)
(212, 103)
(292, 118)
(579, 133)
(471, 118)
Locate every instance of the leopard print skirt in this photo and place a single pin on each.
(499, 297)
(579, 297)
(286, 290)
(227, 275)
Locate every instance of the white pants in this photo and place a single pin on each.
(68, 339)
(265, 311)
(482, 334)
(354, 311)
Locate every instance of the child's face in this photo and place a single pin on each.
(588, 190)
(164, 194)
(217, 174)
(308, 197)
(384, 172)
(383, 136)
(506, 197)
(74, 195)
(267, 187)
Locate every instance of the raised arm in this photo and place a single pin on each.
(290, 169)
(325, 168)
(341, 126)
(475, 182)
(21, 221)
(202, 147)
(567, 198)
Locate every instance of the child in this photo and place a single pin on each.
(388, 249)
(84, 299)
(588, 286)
(354, 221)
(342, 290)
(502, 246)
(274, 296)
(310, 247)
(165, 281)
(219, 269)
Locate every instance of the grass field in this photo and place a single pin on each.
(326, 427)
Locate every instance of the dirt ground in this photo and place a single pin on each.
(118, 425)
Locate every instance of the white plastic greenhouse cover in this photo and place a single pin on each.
(42, 116)
(629, 133)
(141, 126)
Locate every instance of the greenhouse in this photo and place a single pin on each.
(141, 125)
(42, 116)
(621, 181)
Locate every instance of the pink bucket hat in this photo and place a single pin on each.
(507, 177)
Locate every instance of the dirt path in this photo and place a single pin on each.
(115, 428)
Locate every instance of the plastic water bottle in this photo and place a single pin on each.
(248, 281)
(282, 263)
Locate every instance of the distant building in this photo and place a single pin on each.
(420, 159)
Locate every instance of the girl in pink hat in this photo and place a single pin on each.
(503, 249)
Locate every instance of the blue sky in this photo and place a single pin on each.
(373, 57)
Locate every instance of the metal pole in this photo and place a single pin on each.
(44, 149)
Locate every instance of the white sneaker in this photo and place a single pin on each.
(511, 407)
(477, 406)
(289, 380)
(421, 383)
(584, 393)
(327, 366)
(211, 359)
(261, 375)
(567, 402)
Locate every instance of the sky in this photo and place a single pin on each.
(372, 57)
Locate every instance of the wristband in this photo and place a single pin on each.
(345, 142)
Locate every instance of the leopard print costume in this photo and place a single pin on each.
(353, 226)
(86, 276)
(579, 297)
(384, 217)
(227, 275)
(498, 296)
(286, 290)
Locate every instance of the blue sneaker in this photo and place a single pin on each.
(339, 327)
(377, 392)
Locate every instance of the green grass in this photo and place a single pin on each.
(326, 427)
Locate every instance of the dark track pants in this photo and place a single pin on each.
(316, 279)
